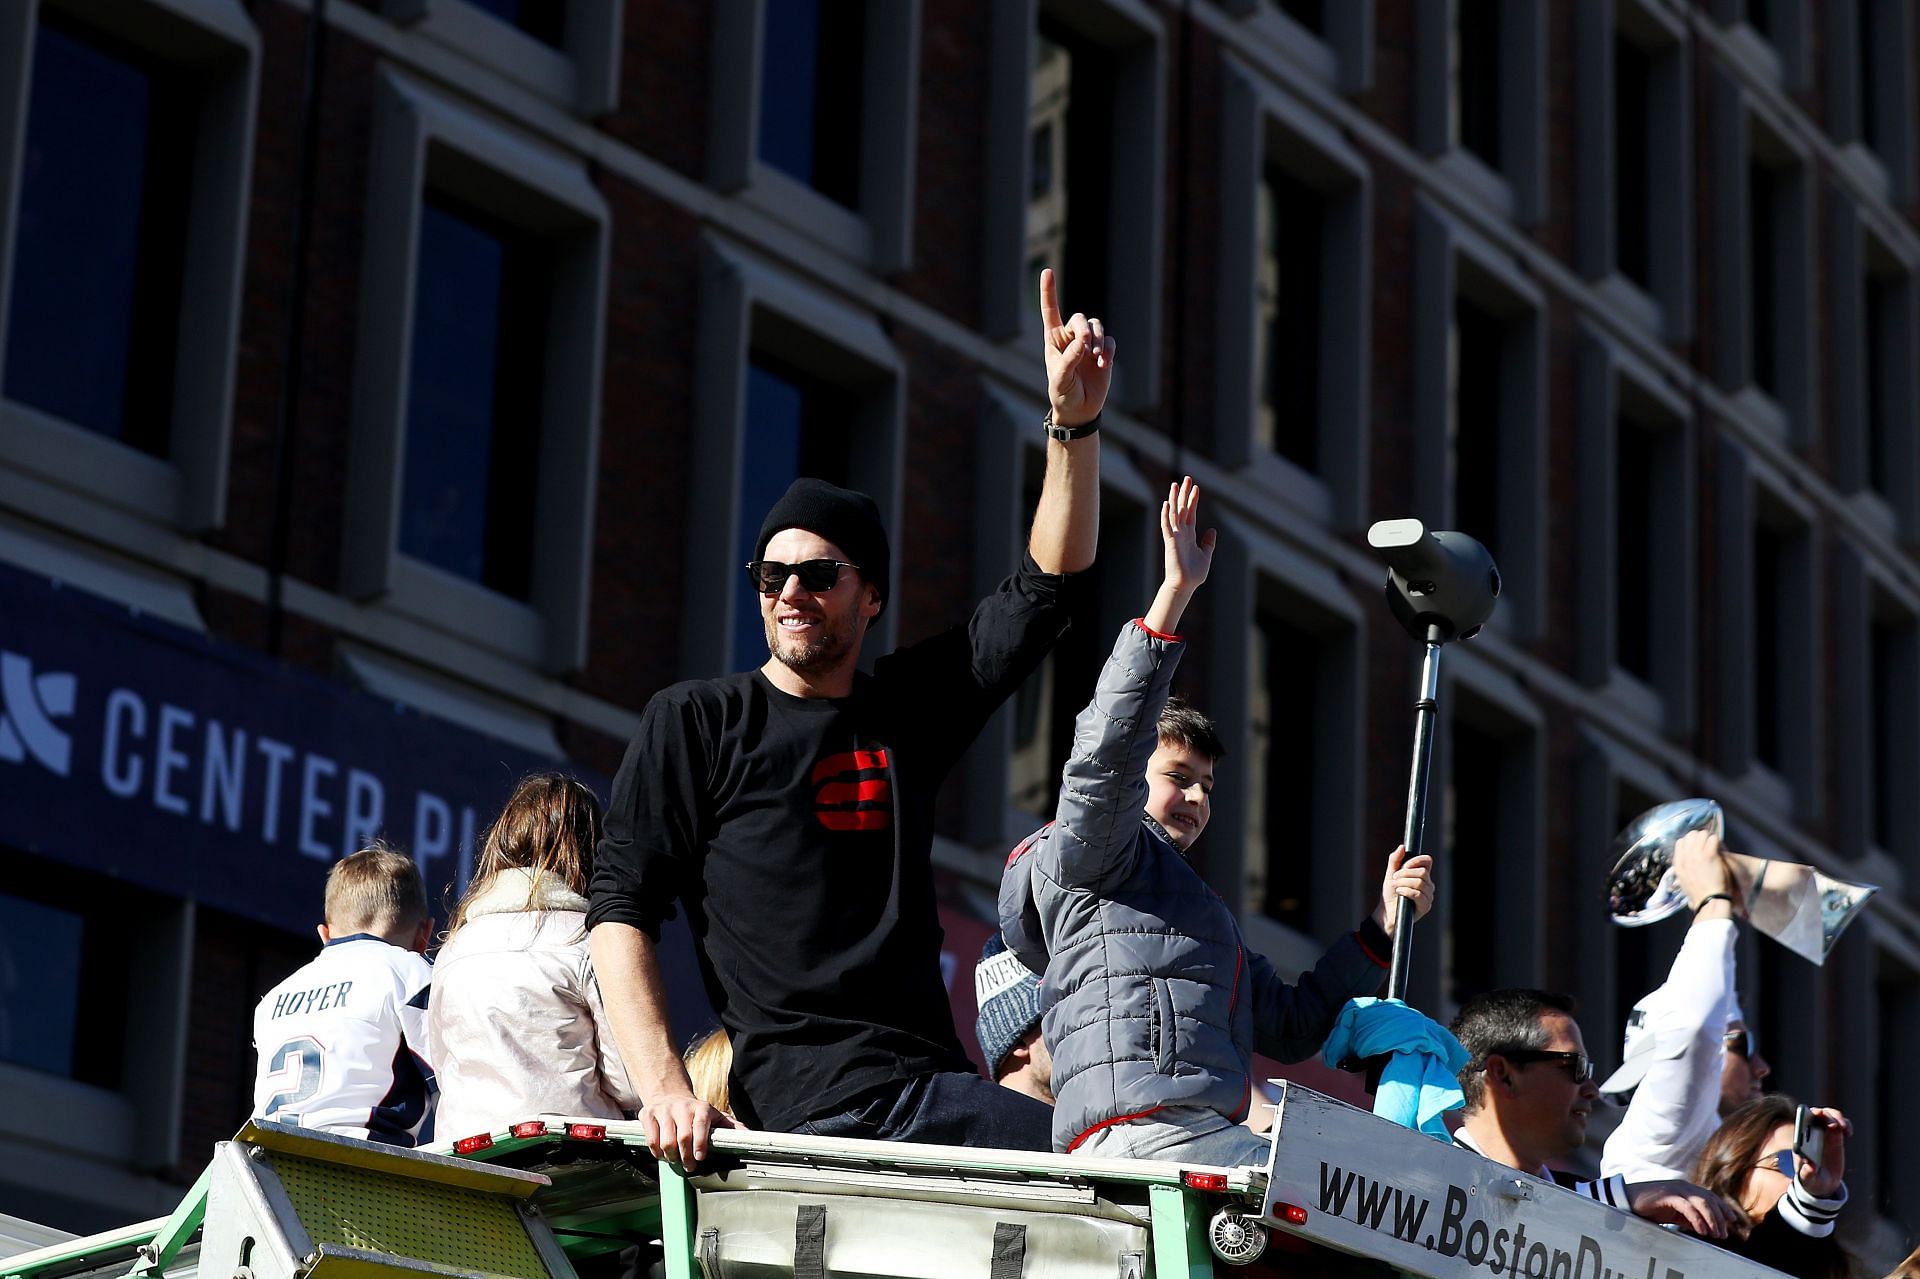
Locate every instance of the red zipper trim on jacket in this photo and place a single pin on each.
(1108, 1123)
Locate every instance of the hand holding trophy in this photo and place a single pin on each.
(1802, 908)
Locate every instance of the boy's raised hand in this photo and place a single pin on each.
(1189, 552)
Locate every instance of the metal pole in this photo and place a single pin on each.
(1425, 712)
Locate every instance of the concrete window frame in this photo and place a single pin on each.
(1861, 253)
(187, 490)
(751, 306)
(1492, 702)
(1341, 59)
(1259, 573)
(1665, 309)
(1263, 128)
(1135, 204)
(1884, 166)
(1865, 595)
(424, 140)
(583, 76)
(1613, 383)
(1452, 262)
(1748, 493)
(878, 234)
(1780, 59)
(1515, 188)
(1747, 133)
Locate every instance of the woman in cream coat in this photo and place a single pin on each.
(515, 1026)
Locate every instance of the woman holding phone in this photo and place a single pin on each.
(1781, 1167)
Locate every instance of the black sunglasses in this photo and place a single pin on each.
(770, 576)
(1579, 1065)
(1740, 1043)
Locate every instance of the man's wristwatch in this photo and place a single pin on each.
(1064, 433)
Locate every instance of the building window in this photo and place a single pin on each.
(473, 398)
(1477, 80)
(544, 20)
(1296, 786)
(1048, 182)
(1765, 237)
(1637, 544)
(1478, 373)
(1488, 833)
(1479, 89)
(470, 485)
(1890, 382)
(1781, 589)
(42, 950)
(795, 424)
(1638, 548)
(1767, 190)
(813, 119)
(1293, 218)
(96, 290)
(1046, 705)
(1281, 798)
(1077, 90)
(122, 249)
(810, 107)
(1633, 230)
(1292, 357)
(1073, 94)
(1631, 214)
(1897, 1039)
(1894, 697)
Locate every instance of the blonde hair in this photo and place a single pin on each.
(375, 890)
(549, 827)
(709, 1061)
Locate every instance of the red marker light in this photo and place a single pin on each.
(1214, 1181)
(1291, 1215)
(587, 1132)
(468, 1145)
(530, 1128)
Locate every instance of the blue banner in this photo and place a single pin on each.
(140, 750)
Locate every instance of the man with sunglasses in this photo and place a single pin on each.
(789, 810)
(1529, 1092)
(1689, 1057)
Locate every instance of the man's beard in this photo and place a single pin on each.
(823, 654)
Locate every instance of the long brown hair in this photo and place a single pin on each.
(550, 826)
(1736, 1146)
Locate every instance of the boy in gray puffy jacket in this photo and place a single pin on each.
(1152, 1005)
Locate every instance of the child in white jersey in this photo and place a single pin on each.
(341, 1041)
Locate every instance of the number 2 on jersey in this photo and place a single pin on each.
(302, 1058)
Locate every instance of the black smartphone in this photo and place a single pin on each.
(1809, 1135)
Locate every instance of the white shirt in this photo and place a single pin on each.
(341, 1044)
(1677, 1105)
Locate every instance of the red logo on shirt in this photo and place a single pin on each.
(852, 791)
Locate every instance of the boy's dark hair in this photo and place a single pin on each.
(1501, 1020)
(1182, 725)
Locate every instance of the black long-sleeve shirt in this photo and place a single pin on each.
(798, 832)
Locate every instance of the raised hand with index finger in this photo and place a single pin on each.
(1079, 360)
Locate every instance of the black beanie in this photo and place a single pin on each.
(848, 519)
